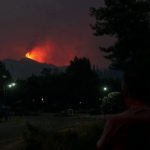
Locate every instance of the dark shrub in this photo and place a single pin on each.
(113, 103)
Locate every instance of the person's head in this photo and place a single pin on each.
(135, 88)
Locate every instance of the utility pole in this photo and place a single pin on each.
(4, 76)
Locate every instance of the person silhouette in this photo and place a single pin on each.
(130, 129)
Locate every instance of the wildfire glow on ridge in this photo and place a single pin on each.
(37, 54)
(28, 56)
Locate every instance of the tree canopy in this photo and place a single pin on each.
(80, 68)
(4, 72)
(129, 22)
(46, 71)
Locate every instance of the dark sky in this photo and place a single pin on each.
(56, 30)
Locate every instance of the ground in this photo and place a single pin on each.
(15, 130)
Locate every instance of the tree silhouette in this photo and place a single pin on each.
(46, 71)
(127, 21)
(4, 81)
(80, 67)
(55, 71)
(82, 81)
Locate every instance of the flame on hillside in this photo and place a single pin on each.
(28, 56)
(54, 54)
(38, 54)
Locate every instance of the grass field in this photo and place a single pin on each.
(83, 136)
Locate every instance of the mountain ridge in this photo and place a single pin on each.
(26, 67)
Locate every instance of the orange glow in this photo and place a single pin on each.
(38, 54)
(58, 55)
(28, 56)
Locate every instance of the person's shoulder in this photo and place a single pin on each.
(118, 117)
(116, 121)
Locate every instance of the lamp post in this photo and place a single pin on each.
(11, 86)
(4, 76)
(105, 89)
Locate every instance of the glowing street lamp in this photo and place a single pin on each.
(11, 85)
(42, 100)
(105, 88)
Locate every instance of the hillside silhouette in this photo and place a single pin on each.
(25, 67)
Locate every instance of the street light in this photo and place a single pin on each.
(42, 100)
(105, 88)
(11, 85)
(4, 76)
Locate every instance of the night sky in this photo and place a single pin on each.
(52, 31)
